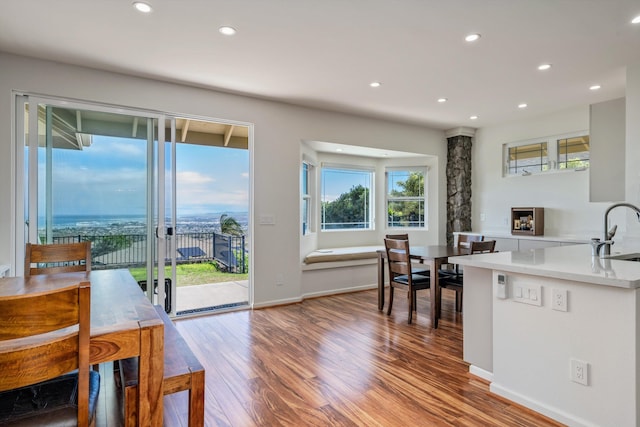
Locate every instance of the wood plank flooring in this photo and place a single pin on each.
(337, 361)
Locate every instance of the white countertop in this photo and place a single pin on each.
(546, 237)
(572, 262)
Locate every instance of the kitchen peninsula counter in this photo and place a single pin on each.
(572, 262)
(525, 344)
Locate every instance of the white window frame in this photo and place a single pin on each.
(307, 171)
(552, 142)
(389, 199)
(371, 204)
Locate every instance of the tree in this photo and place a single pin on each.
(229, 225)
(349, 210)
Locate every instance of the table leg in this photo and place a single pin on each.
(435, 293)
(380, 282)
(150, 374)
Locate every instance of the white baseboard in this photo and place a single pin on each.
(479, 372)
(325, 293)
(542, 408)
(274, 303)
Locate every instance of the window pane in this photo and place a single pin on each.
(573, 152)
(346, 199)
(406, 213)
(405, 183)
(406, 200)
(528, 158)
(305, 199)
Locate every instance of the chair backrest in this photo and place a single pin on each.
(464, 240)
(397, 236)
(398, 257)
(482, 247)
(45, 335)
(57, 258)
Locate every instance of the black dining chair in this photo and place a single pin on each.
(401, 273)
(455, 281)
(416, 270)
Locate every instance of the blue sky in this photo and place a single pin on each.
(109, 178)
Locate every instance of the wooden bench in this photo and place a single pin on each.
(182, 371)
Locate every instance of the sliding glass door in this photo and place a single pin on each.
(90, 174)
(165, 197)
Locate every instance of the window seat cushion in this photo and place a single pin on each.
(342, 254)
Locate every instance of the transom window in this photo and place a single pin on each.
(347, 198)
(573, 153)
(559, 152)
(528, 158)
(406, 197)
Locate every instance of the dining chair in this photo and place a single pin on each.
(454, 282)
(463, 244)
(57, 258)
(44, 359)
(401, 273)
(416, 270)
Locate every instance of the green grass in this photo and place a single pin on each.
(194, 274)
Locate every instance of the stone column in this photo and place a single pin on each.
(458, 181)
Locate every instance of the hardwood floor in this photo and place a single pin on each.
(338, 361)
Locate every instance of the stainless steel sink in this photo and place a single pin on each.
(626, 257)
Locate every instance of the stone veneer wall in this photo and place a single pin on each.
(458, 185)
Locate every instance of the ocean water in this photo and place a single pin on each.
(97, 221)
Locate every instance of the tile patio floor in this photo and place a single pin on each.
(211, 295)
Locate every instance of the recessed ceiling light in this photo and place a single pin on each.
(472, 37)
(595, 87)
(339, 150)
(374, 84)
(523, 105)
(474, 117)
(636, 20)
(544, 67)
(227, 31)
(442, 100)
(142, 6)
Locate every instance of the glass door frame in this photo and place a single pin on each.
(154, 192)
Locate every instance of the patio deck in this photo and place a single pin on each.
(198, 298)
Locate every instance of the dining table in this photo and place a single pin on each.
(124, 324)
(432, 256)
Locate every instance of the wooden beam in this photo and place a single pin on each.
(78, 121)
(227, 134)
(185, 129)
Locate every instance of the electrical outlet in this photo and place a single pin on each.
(483, 217)
(279, 279)
(559, 299)
(579, 371)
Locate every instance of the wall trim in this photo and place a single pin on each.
(460, 131)
(549, 411)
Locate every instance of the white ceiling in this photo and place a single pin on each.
(324, 53)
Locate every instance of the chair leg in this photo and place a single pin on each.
(459, 300)
(412, 294)
(390, 299)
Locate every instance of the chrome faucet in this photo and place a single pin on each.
(603, 248)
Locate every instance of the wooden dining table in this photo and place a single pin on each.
(124, 324)
(432, 256)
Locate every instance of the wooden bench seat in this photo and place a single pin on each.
(182, 371)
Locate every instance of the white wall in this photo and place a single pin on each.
(279, 129)
(533, 346)
(564, 195)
